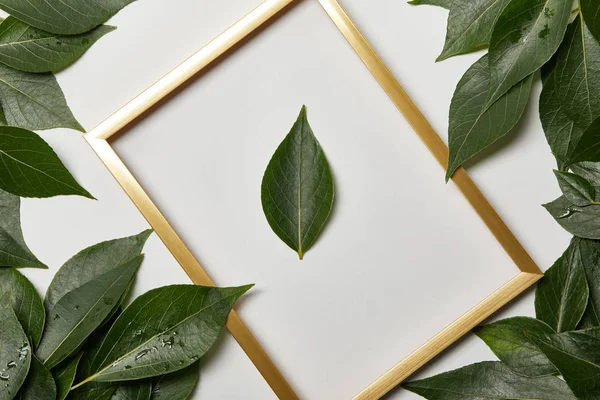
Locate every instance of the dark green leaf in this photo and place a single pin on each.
(590, 258)
(30, 168)
(590, 9)
(67, 17)
(590, 171)
(93, 391)
(489, 381)
(64, 376)
(439, 3)
(39, 384)
(34, 101)
(133, 391)
(178, 385)
(15, 352)
(13, 249)
(472, 127)
(507, 339)
(583, 222)
(163, 331)
(93, 262)
(576, 188)
(25, 301)
(30, 49)
(78, 313)
(562, 295)
(297, 188)
(588, 146)
(577, 356)
(470, 25)
(526, 35)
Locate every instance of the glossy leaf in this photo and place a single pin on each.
(588, 146)
(577, 357)
(489, 381)
(30, 168)
(526, 35)
(64, 376)
(67, 17)
(508, 340)
(25, 302)
(29, 49)
(39, 384)
(78, 313)
(440, 3)
(15, 352)
(590, 9)
(576, 188)
(178, 385)
(13, 249)
(133, 391)
(470, 25)
(163, 331)
(562, 295)
(298, 189)
(472, 127)
(583, 222)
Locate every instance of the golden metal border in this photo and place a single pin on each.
(98, 140)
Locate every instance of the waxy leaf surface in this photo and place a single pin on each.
(576, 188)
(177, 385)
(15, 351)
(39, 384)
(583, 222)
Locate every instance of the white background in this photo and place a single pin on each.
(403, 254)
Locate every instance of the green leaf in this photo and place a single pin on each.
(489, 381)
(472, 127)
(588, 146)
(67, 17)
(577, 356)
(470, 26)
(562, 295)
(93, 391)
(93, 262)
(29, 49)
(30, 168)
(576, 188)
(583, 222)
(507, 339)
(298, 189)
(590, 258)
(15, 352)
(64, 376)
(25, 302)
(590, 9)
(34, 101)
(78, 313)
(526, 35)
(163, 331)
(133, 391)
(440, 3)
(178, 385)
(39, 384)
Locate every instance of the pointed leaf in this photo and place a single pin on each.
(590, 258)
(526, 35)
(562, 295)
(25, 302)
(67, 17)
(78, 313)
(507, 339)
(64, 376)
(489, 381)
(440, 3)
(133, 391)
(583, 222)
(576, 188)
(39, 384)
(472, 127)
(178, 385)
(30, 168)
(297, 188)
(29, 49)
(590, 9)
(588, 146)
(163, 331)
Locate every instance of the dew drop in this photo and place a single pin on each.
(11, 364)
(141, 354)
(4, 377)
(23, 352)
(108, 301)
(128, 367)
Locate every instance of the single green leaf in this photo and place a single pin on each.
(13, 249)
(590, 258)
(576, 188)
(472, 127)
(68, 17)
(562, 295)
(583, 222)
(39, 384)
(507, 339)
(133, 391)
(64, 376)
(29, 49)
(470, 26)
(297, 188)
(590, 171)
(93, 262)
(177, 385)
(78, 313)
(15, 352)
(590, 9)
(489, 381)
(526, 35)
(34, 101)
(163, 331)
(588, 146)
(577, 356)
(30, 168)
(440, 3)
(25, 302)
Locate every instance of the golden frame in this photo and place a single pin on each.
(98, 140)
